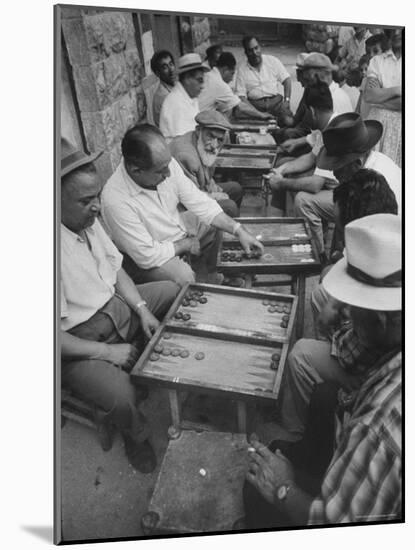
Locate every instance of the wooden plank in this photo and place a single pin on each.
(174, 408)
(242, 417)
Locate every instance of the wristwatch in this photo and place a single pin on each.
(140, 304)
(236, 227)
(282, 491)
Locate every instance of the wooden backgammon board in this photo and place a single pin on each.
(221, 340)
(246, 157)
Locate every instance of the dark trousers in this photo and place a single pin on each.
(310, 457)
(276, 106)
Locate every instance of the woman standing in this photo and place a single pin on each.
(384, 92)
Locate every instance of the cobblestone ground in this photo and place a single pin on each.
(102, 496)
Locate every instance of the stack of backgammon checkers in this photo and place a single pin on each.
(238, 255)
(281, 308)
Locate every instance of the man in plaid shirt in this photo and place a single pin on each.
(361, 480)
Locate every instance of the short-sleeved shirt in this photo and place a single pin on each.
(178, 113)
(341, 101)
(217, 94)
(315, 140)
(255, 84)
(386, 68)
(88, 273)
(145, 223)
(162, 91)
(354, 49)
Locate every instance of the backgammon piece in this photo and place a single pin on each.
(199, 355)
(286, 318)
(186, 316)
(265, 302)
(192, 303)
(184, 353)
(188, 296)
(178, 315)
(272, 309)
(154, 357)
(287, 309)
(158, 348)
(276, 356)
(203, 300)
(284, 324)
(166, 352)
(167, 335)
(232, 256)
(274, 365)
(280, 309)
(238, 259)
(175, 352)
(268, 257)
(185, 303)
(274, 303)
(294, 248)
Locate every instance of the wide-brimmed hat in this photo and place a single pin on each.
(317, 61)
(72, 158)
(190, 62)
(346, 138)
(301, 57)
(212, 119)
(370, 274)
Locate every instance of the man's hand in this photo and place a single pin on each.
(124, 355)
(267, 471)
(194, 246)
(275, 181)
(149, 323)
(248, 241)
(289, 145)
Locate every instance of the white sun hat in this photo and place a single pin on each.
(370, 274)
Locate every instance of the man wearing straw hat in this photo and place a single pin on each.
(104, 316)
(180, 107)
(362, 479)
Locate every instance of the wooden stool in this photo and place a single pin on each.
(199, 487)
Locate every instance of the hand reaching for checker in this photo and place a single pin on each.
(248, 241)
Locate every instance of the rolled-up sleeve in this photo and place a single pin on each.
(131, 236)
(192, 198)
(281, 72)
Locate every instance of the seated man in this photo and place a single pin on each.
(162, 65)
(180, 107)
(217, 94)
(362, 481)
(197, 151)
(103, 314)
(366, 194)
(348, 143)
(212, 55)
(258, 80)
(318, 100)
(140, 208)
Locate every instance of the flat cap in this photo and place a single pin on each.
(318, 61)
(212, 119)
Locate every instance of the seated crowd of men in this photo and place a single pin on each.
(129, 244)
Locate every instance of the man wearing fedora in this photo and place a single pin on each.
(361, 481)
(141, 208)
(104, 316)
(197, 152)
(180, 107)
(258, 79)
(162, 65)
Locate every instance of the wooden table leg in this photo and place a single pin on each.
(241, 416)
(298, 288)
(248, 280)
(174, 409)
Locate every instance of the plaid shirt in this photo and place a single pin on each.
(350, 352)
(363, 481)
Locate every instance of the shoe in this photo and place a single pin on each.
(141, 456)
(104, 431)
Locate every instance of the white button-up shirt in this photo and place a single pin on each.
(389, 170)
(315, 140)
(177, 116)
(145, 223)
(386, 68)
(88, 275)
(255, 84)
(341, 101)
(217, 94)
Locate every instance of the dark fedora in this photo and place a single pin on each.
(72, 158)
(346, 138)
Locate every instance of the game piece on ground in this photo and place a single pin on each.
(166, 352)
(167, 335)
(158, 348)
(202, 472)
(154, 357)
(186, 316)
(184, 353)
(199, 355)
(175, 352)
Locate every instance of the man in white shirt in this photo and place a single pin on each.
(180, 107)
(141, 209)
(217, 94)
(354, 48)
(348, 143)
(317, 66)
(162, 65)
(259, 79)
(103, 314)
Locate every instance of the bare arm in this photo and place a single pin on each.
(287, 88)
(245, 109)
(301, 164)
(248, 241)
(375, 94)
(311, 184)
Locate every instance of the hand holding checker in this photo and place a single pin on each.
(248, 241)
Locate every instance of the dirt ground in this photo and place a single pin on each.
(102, 495)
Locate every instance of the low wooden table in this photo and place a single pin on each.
(289, 249)
(220, 343)
(199, 487)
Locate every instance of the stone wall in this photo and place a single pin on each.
(108, 73)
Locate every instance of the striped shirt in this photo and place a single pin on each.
(363, 481)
